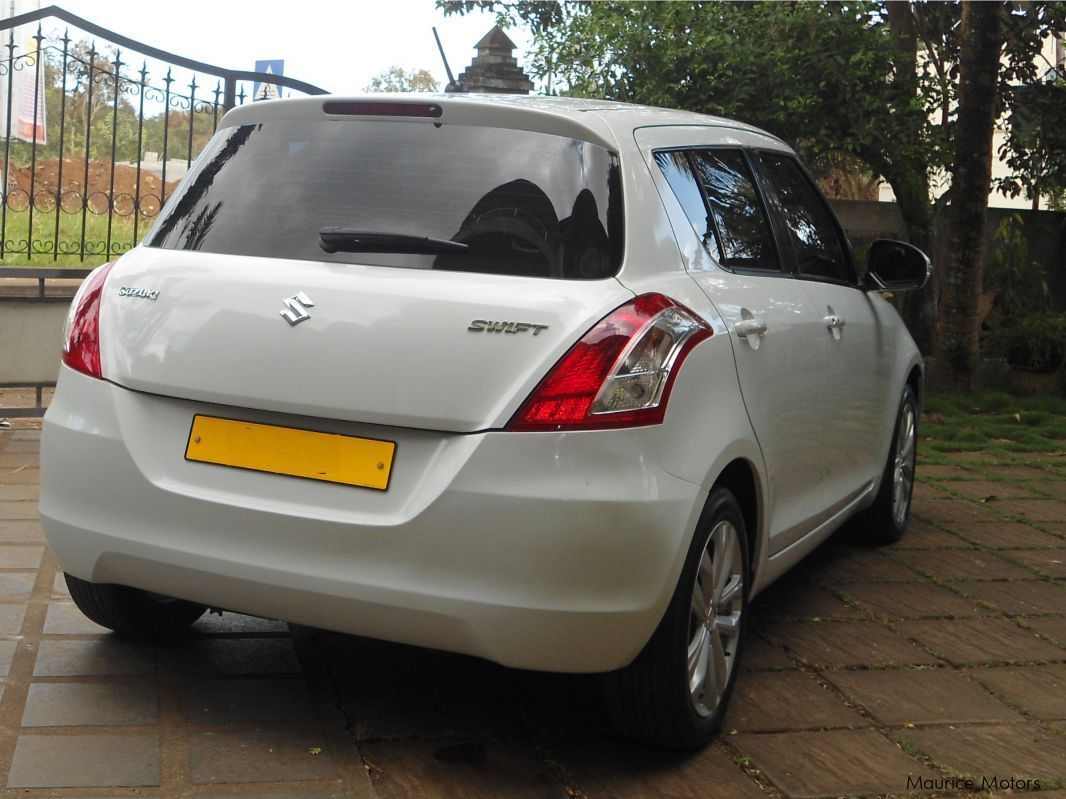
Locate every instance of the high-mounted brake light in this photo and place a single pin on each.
(620, 373)
(81, 333)
(372, 108)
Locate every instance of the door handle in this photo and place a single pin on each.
(834, 322)
(749, 327)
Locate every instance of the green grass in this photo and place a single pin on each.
(17, 226)
(993, 421)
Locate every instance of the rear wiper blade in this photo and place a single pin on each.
(333, 239)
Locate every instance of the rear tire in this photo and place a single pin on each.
(676, 692)
(131, 611)
(884, 521)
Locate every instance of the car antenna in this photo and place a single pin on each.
(453, 84)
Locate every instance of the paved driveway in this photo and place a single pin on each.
(901, 671)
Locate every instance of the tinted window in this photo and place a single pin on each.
(525, 203)
(677, 170)
(819, 251)
(744, 236)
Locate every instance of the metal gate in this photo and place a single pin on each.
(124, 120)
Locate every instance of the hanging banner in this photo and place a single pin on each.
(27, 94)
(30, 118)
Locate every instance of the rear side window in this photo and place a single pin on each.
(523, 203)
(717, 191)
(677, 170)
(815, 235)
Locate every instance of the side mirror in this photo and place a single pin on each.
(896, 266)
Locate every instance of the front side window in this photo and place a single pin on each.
(493, 200)
(814, 233)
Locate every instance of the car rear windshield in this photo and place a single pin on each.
(524, 203)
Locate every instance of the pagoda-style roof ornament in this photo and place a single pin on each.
(494, 69)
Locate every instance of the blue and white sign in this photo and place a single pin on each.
(268, 91)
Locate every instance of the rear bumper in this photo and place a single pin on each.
(546, 551)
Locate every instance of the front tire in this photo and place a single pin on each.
(676, 691)
(131, 611)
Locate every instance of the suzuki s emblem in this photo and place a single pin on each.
(295, 310)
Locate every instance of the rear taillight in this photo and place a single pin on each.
(81, 334)
(620, 373)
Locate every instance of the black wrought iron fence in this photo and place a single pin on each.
(98, 128)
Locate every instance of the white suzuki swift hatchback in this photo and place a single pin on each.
(562, 384)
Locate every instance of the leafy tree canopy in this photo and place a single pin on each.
(398, 79)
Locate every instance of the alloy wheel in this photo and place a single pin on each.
(715, 617)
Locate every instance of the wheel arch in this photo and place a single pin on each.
(740, 478)
(916, 380)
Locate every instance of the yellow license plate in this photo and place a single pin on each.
(328, 457)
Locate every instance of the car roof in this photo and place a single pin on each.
(602, 121)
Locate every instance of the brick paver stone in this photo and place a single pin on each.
(921, 696)
(804, 601)
(760, 654)
(19, 475)
(11, 618)
(943, 471)
(274, 755)
(1051, 627)
(616, 768)
(1005, 535)
(90, 704)
(912, 600)
(988, 490)
(964, 641)
(1049, 562)
(1054, 488)
(16, 585)
(83, 761)
(1038, 510)
(246, 701)
(19, 531)
(21, 510)
(837, 566)
(1021, 598)
(446, 769)
(847, 643)
(103, 656)
(833, 763)
(790, 700)
(1039, 690)
(1001, 751)
(19, 491)
(1020, 472)
(64, 618)
(946, 510)
(964, 564)
(7, 653)
(23, 557)
(921, 535)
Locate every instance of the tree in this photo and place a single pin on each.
(971, 177)
(398, 79)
